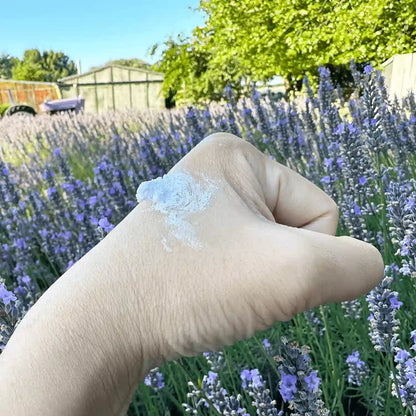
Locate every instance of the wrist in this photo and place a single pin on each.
(128, 259)
(88, 341)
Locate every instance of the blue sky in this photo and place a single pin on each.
(94, 31)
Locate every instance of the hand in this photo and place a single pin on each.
(266, 252)
(162, 285)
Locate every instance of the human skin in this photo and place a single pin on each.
(129, 305)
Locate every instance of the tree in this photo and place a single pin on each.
(6, 65)
(58, 65)
(132, 63)
(191, 74)
(30, 68)
(257, 39)
(48, 66)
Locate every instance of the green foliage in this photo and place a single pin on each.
(48, 66)
(191, 74)
(6, 65)
(3, 108)
(255, 40)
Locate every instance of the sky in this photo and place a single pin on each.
(95, 32)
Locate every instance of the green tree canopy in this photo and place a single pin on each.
(132, 63)
(48, 66)
(258, 39)
(6, 65)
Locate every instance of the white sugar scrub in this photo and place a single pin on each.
(164, 242)
(177, 194)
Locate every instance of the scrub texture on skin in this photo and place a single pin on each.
(177, 195)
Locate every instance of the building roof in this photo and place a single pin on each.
(27, 82)
(391, 59)
(142, 70)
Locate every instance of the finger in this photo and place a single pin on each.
(342, 268)
(292, 199)
(294, 270)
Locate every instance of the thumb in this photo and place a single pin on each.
(343, 268)
(285, 271)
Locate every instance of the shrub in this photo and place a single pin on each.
(3, 108)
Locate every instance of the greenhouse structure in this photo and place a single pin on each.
(115, 87)
(400, 74)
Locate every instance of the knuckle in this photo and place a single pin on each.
(229, 153)
(223, 138)
(333, 207)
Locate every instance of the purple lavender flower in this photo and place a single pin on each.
(413, 335)
(328, 162)
(215, 360)
(401, 355)
(299, 383)
(368, 69)
(352, 308)
(395, 303)
(51, 191)
(215, 394)
(105, 224)
(404, 379)
(245, 376)
(410, 204)
(401, 212)
(324, 72)
(339, 129)
(362, 180)
(154, 379)
(5, 295)
(313, 381)
(357, 369)
(26, 280)
(268, 347)
(255, 386)
(315, 322)
(383, 326)
(288, 386)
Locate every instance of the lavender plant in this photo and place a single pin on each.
(66, 181)
(404, 385)
(299, 383)
(357, 369)
(216, 396)
(383, 324)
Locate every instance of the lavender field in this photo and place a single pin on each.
(66, 181)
